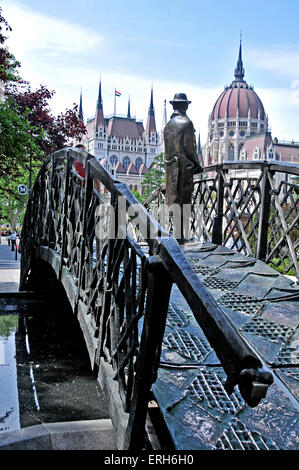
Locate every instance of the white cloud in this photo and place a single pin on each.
(282, 106)
(37, 40)
(35, 34)
(280, 60)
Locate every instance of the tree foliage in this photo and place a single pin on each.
(51, 132)
(16, 140)
(28, 129)
(155, 177)
(8, 63)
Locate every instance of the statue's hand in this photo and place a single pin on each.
(197, 169)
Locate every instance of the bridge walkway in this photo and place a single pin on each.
(263, 305)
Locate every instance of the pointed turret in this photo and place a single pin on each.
(199, 144)
(151, 122)
(239, 70)
(80, 113)
(164, 115)
(99, 116)
(129, 110)
(199, 151)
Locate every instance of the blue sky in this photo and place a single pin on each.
(186, 47)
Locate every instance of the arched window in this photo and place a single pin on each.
(256, 153)
(231, 153)
(113, 160)
(138, 163)
(240, 151)
(126, 162)
(270, 153)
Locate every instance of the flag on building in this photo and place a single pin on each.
(117, 93)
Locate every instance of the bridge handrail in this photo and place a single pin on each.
(108, 289)
(285, 167)
(259, 198)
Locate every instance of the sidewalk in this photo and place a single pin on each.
(9, 268)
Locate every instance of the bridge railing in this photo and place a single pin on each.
(259, 199)
(90, 222)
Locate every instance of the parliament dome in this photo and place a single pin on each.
(238, 100)
(237, 115)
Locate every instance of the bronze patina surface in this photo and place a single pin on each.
(180, 154)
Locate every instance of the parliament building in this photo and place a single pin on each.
(238, 127)
(121, 143)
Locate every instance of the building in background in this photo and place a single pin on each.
(238, 127)
(264, 147)
(237, 114)
(121, 143)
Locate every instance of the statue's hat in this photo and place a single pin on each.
(180, 98)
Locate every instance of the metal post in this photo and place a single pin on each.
(64, 212)
(217, 222)
(261, 250)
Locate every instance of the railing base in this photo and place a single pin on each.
(110, 389)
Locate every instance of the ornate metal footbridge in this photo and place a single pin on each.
(194, 341)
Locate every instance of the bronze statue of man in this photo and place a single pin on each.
(180, 153)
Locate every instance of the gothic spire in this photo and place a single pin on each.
(151, 122)
(198, 144)
(199, 151)
(99, 117)
(100, 101)
(129, 110)
(80, 113)
(164, 115)
(151, 109)
(239, 70)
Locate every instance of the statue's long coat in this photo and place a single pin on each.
(180, 158)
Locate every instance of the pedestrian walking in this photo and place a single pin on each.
(13, 240)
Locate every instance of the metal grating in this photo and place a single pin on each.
(260, 327)
(214, 282)
(241, 303)
(238, 437)
(188, 345)
(288, 354)
(293, 373)
(176, 316)
(203, 270)
(208, 388)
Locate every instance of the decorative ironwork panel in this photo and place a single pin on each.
(204, 208)
(283, 234)
(242, 200)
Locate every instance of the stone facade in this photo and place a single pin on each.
(121, 144)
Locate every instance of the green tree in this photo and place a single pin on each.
(17, 140)
(155, 177)
(13, 204)
(8, 64)
(28, 131)
(8, 324)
